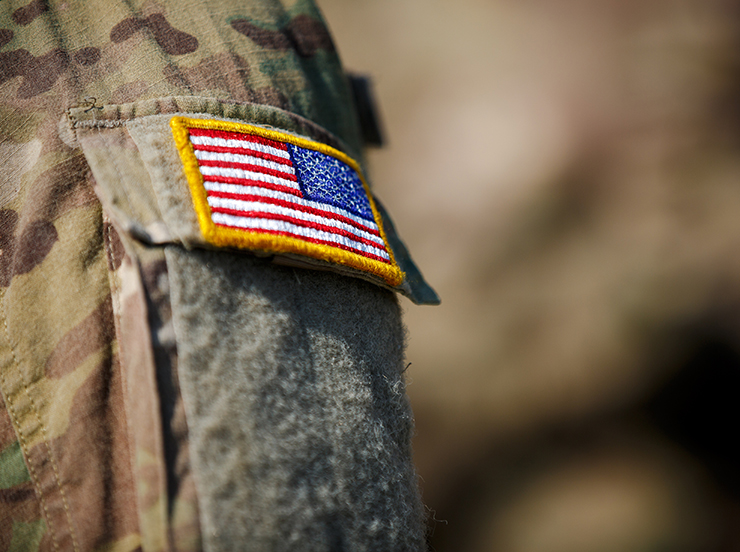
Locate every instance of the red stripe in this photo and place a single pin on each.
(311, 240)
(290, 205)
(247, 167)
(244, 151)
(297, 222)
(248, 182)
(227, 135)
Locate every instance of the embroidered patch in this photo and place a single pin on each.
(261, 189)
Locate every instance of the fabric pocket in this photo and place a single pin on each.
(151, 182)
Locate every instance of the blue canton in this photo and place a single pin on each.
(328, 180)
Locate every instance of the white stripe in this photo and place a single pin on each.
(248, 175)
(210, 141)
(248, 159)
(254, 190)
(298, 231)
(240, 205)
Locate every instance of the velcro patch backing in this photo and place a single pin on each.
(261, 189)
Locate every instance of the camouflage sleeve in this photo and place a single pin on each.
(160, 393)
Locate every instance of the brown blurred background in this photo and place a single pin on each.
(567, 175)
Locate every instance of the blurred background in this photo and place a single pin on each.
(567, 176)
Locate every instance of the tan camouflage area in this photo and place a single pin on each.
(93, 439)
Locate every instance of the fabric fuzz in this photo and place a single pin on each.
(299, 423)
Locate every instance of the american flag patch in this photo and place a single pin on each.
(261, 189)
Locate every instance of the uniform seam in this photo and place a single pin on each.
(22, 439)
(56, 476)
(115, 296)
(51, 455)
(114, 285)
(206, 105)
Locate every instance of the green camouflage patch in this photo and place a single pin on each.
(13, 470)
(27, 536)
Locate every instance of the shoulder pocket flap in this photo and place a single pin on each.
(276, 186)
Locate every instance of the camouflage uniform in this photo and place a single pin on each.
(99, 358)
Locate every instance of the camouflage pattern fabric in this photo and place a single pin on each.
(93, 436)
